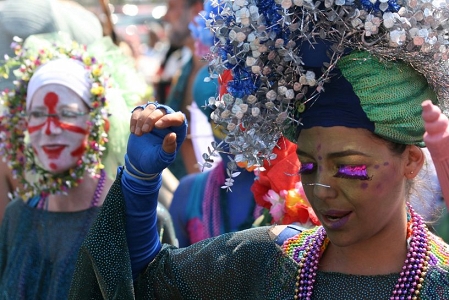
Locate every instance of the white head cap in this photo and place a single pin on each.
(65, 71)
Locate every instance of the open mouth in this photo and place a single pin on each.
(336, 220)
(336, 217)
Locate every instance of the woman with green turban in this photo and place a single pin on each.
(346, 81)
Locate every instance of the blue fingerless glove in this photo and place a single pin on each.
(144, 162)
(145, 154)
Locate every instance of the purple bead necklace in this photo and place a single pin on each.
(97, 194)
(412, 274)
(99, 189)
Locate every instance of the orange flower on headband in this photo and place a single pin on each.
(279, 190)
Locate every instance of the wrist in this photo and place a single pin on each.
(134, 172)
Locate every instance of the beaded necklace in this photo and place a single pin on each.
(410, 279)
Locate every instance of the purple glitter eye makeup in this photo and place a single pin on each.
(352, 172)
(307, 168)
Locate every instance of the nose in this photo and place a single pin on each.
(53, 126)
(323, 186)
(323, 191)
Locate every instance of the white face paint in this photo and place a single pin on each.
(58, 127)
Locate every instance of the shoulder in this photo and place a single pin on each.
(439, 250)
(14, 213)
(282, 233)
(15, 206)
(273, 235)
(189, 189)
(436, 283)
(190, 181)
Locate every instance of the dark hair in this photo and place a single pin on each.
(396, 148)
(191, 3)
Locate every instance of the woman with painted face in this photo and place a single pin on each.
(56, 141)
(349, 80)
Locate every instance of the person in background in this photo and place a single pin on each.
(202, 206)
(436, 138)
(7, 185)
(204, 88)
(70, 104)
(179, 15)
(354, 98)
(24, 18)
(149, 63)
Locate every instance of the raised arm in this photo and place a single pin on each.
(157, 132)
(436, 138)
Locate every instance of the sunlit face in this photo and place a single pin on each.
(58, 127)
(361, 185)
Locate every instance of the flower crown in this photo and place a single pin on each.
(265, 47)
(15, 149)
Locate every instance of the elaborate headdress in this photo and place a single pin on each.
(281, 55)
(99, 74)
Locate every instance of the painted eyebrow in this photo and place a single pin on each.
(334, 154)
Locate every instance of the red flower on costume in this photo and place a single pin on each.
(279, 188)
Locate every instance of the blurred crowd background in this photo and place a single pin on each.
(139, 28)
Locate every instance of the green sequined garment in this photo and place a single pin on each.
(241, 265)
(38, 250)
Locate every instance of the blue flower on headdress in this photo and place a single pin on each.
(380, 6)
(198, 27)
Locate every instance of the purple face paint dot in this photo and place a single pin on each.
(320, 168)
(320, 157)
(386, 163)
(364, 185)
(318, 147)
(376, 167)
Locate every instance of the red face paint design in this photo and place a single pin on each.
(53, 152)
(51, 101)
(58, 139)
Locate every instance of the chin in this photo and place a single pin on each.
(344, 239)
(57, 170)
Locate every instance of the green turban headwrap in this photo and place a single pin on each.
(382, 96)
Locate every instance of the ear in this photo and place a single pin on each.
(414, 161)
(106, 125)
